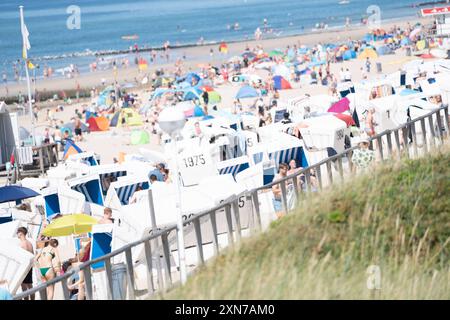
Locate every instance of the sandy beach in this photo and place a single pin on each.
(194, 57)
(110, 143)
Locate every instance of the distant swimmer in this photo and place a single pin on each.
(236, 26)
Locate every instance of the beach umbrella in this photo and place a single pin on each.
(16, 193)
(281, 83)
(340, 106)
(247, 92)
(70, 224)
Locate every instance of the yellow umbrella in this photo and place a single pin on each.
(70, 224)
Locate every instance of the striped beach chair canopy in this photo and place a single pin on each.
(233, 166)
(125, 188)
(108, 174)
(90, 187)
(88, 158)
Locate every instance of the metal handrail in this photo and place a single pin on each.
(231, 203)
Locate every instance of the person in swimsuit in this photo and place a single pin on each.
(26, 245)
(48, 267)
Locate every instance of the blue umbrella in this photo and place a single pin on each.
(247, 92)
(16, 193)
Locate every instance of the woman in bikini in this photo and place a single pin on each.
(47, 266)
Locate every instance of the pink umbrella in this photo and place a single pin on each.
(340, 106)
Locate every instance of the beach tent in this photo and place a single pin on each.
(281, 83)
(162, 82)
(368, 37)
(247, 92)
(192, 78)
(405, 41)
(198, 112)
(126, 116)
(70, 149)
(191, 94)
(349, 54)
(420, 45)
(98, 124)
(276, 53)
(71, 127)
(368, 53)
(384, 50)
(139, 137)
(340, 106)
(7, 142)
(213, 98)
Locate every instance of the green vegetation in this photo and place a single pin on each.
(396, 217)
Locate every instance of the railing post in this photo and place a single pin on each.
(159, 272)
(424, 135)
(308, 180)
(66, 292)
(414, 139)
(130, 273)
(284, 197)
(329, 172)
(148, 260)
(296, 188)
(319, 176)
(389, 143)
(432, 134)
(198, 237)
(88, 281)
(212, 217)
(397, 143)
(405, 141)
(439, 124)
(229, 224)
(446, 121)
(257, 211)
(109, 281)
(380, 148)
(237, 219)
(341, 169)
(43, 293)
(166, 254)
(350, 162)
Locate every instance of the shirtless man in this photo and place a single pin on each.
(26, 245)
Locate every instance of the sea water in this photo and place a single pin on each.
(182, 22)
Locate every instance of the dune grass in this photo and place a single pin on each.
(396, 217)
